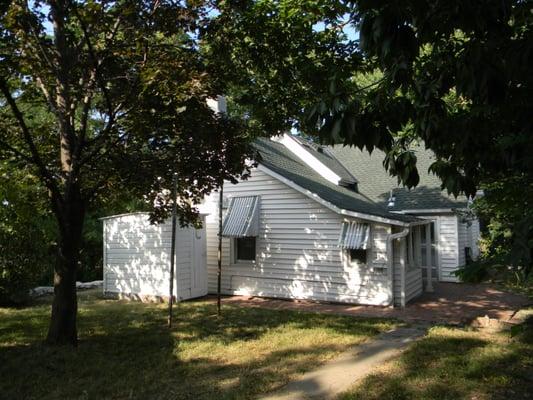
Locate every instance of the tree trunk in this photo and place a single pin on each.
(63, 328)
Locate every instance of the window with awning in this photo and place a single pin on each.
(242, 217)
(354, 235)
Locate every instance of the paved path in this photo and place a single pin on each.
(339, 374)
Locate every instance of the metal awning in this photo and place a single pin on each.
(242, 217)
(354, 235)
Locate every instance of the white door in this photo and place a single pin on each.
(199, 263)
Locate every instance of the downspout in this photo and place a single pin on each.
(390, 263)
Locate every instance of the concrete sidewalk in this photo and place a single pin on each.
(339, 374)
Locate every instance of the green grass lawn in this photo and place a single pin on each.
(455, 364)
(127, 352)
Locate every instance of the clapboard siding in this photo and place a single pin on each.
(464, 240)
(297, 252)
(137, 257)
(448, 247)
(412, 286)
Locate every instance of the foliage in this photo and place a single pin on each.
(277, 57)
(27, 234)
(102, 97)
(247, 353)
(506, 207)
(454, 75)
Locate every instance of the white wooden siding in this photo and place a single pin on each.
(413, 276)
(136, 257)
(448, 247)
(464, 240)
(297, 252)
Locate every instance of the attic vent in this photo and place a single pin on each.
(349, 185)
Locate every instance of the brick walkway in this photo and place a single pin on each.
(451, 303)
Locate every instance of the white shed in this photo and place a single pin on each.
(137, 258)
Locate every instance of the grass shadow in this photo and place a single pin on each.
(454, 364)
(127, 352)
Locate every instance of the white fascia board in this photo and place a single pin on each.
(311, 161)
(428, 211)
(332, 207)
(124, 215)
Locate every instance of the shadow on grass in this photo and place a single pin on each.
(454, 364)
(127, 352)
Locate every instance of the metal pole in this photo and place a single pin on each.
(172, 246)
(219, 256)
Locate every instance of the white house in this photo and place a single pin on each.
(312, 222)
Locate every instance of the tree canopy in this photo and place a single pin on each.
(101, 97)
(453, 75)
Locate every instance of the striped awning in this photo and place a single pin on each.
(354, 235)
(242, 217)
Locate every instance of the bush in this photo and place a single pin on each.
(26, 260)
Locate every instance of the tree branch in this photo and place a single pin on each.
(96, 63)
(15, 151)
(47, 177)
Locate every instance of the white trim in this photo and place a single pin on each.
(147, 213)
(390, 258)
(217, 104)
(124, 215)
(327, 204)
(429, 211)
(104, 255)
(310, 160)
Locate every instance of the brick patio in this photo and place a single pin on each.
(450, 303)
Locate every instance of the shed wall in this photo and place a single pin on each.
(137, 257)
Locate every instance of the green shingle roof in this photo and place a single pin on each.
(375, 182)
(279, 159)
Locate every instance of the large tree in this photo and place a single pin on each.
(97, 97)
(455, 75)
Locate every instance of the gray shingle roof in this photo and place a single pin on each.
(278, 158)
(376, 183)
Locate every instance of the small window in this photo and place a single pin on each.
(358, 256)
(245, 249)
